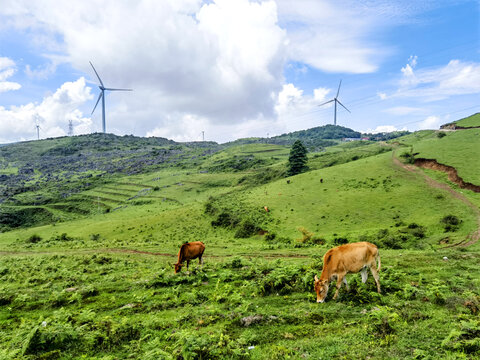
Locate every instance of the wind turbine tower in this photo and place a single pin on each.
(38, 131)
(102, 96)
(335, 99)
(70, 128)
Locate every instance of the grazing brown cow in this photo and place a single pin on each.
(190, 251)
(344, 259)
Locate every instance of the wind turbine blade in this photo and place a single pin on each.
(111, 89)
(99, 97)
(338, 91)
(344, 106)
(329, 101)
(96, 73)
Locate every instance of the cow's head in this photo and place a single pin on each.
(321, 288)
(178, 267)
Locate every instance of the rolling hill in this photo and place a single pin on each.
(92, 224)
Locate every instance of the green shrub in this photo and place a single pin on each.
(409, 157)
(246, 229)
(383, 322)
(466, 338)
(441, 134)
(392, 242)
(94, 237)
(340, 241)
(225, 219)
(270, 237)
(282, 280)
(62, 237)
(33, 239)
(49, 337)
(451, 223)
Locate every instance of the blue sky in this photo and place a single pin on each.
(236, 68)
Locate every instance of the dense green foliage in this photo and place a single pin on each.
(297, 161)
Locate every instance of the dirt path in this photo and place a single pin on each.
(473, 237)
(140, 252)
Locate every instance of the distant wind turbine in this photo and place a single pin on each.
(102, 96)
(335, 99)
(38, 131)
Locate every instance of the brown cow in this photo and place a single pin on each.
(344, 259)
(190, 251)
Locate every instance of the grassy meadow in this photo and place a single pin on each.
(99, 283)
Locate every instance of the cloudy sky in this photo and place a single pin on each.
(235, 68)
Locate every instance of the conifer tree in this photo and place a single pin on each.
(297, 161)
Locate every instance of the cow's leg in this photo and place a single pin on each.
(345, 282)
(374, 271)
(364, 274)
(188, 262)
(339, 284)
(200, 261)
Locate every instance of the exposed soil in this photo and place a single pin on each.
(472, 237)
(449, 170)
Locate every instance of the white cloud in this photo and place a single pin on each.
(382, 95)
(296, 110)
(335, 36)
(207, 65)
(52, 114)
(383, 129)
(7, 69)
(403, 110)
(431, 122)
(437, 83)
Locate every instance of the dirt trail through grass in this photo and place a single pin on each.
(141, 252)
(472, 237)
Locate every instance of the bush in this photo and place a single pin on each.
(340, 241)
(451, 223)
(441, 134)
(383, 322)
(94, 237)
(47, 338)
(62, 237)
(282, 280)
(34, 239)
(409, 157)
(225, 219)
(246, 229)
(392, 242)
(306, 235)
(466, 338)
(270, 237)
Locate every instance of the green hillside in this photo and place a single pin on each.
(455, 149)
(468, 122)
(89, 236)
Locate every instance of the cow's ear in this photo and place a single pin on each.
(316, 278)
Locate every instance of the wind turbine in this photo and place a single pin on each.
(335, 99)
(37, 118)
(102, 96)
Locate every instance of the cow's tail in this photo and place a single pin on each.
(379, 262)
